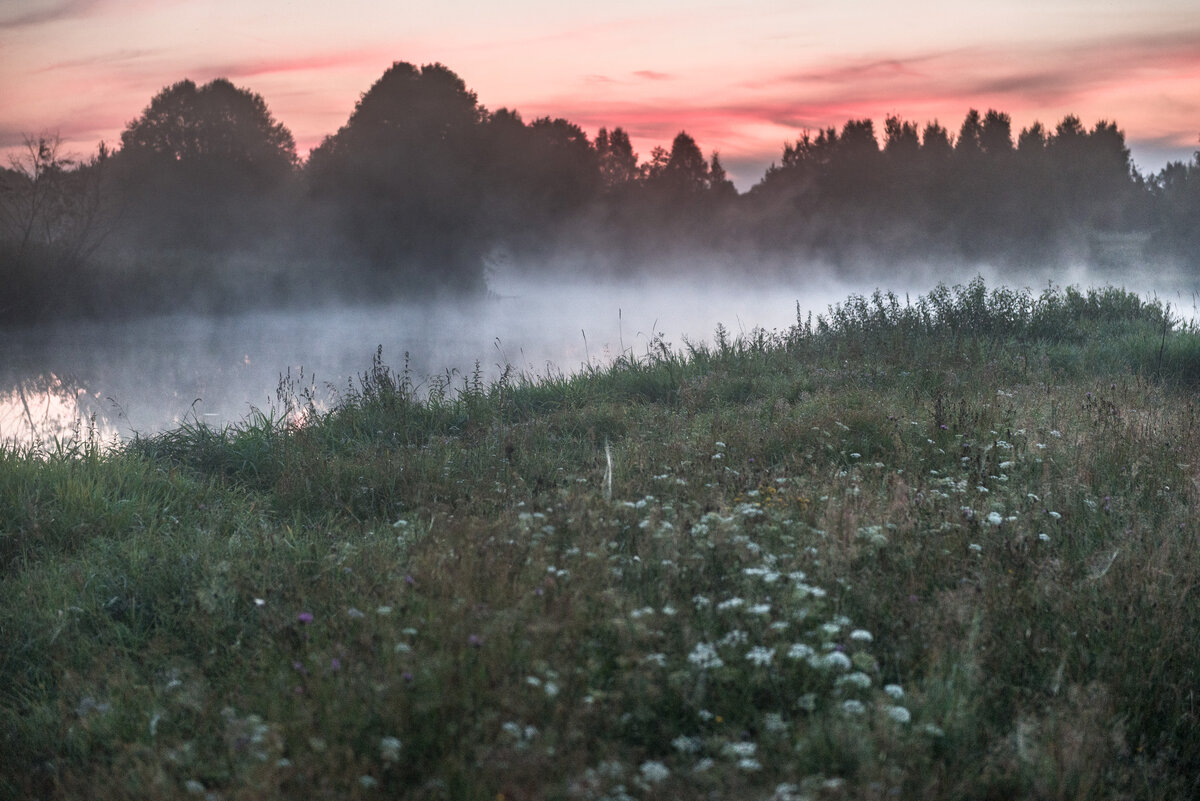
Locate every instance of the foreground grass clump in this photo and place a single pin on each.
(943, 549)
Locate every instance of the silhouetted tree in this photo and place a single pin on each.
(1176, 196)
(568, 164)
(995, 134)
(719, 185)
(935, 142)
(201, 168)
(618, 162)
(686, 171)
(54, 214)
(402, 178)
(213, 127)
(969, 135)
(855, 170)
(1032, 140)
(1093, 173)
(902, 143)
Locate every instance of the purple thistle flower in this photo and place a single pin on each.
(305, 617)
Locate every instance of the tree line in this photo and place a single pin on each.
(205, 204)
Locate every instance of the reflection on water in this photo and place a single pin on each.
(148, 375)
(145, 376)
(48, 409)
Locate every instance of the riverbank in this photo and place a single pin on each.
(942, 549)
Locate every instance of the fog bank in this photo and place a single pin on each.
(145, 375)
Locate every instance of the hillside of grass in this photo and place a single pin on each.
(944, 548)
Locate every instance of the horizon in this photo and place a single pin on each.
(742, 81)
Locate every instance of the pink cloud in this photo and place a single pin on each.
(119, 58)
(303, 63)
(39, 12)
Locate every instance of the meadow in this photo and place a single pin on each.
(943, 547)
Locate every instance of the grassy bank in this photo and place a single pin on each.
(944, 549)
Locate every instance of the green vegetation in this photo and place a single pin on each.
(939, 549)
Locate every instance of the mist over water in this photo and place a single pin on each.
(147, 375)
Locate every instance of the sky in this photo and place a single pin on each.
(742, 78)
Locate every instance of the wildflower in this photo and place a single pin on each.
(749, 765)
(774, 723)
(259, 602)
(735, 637)
(686, 745)
(975, 547)
(367, 782)
(853, 707)
(354, 614)
(856, 679)
(799, 651)
(898, 714)
(383, 610)
(655, 659)
(700, 602)
(995, 518)
(760, 656)
(305, 617)
(742, 750)
(194, 787)
(861, 635)
(474, 641)
(1044, 537)
(703, 765)
(654, 772)
(704, 656)
(760, 609)
(389, 749)
(835, 659)
(894, 690)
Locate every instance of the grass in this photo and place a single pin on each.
(931, 549)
